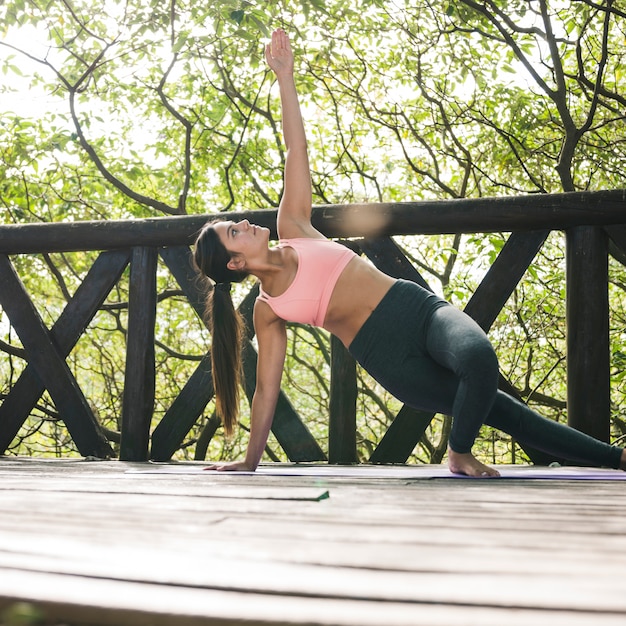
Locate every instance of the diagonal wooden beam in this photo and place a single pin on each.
(291, 433)
(403, 434)
(183, 413)
(495, 289)
(179, 262)
(389, 258)
(410, 424)
(43, 355)
(504, 275)
(618, 235)
(89, 296)
(617, 243)
(198, 390)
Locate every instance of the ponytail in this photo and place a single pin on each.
(227, 332)
(225, 324)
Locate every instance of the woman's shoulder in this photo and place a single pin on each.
(264, 316)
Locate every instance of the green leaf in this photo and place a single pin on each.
(260, 25)
(180, 42)
(237, 16)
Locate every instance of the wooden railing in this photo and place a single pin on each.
(591, 220)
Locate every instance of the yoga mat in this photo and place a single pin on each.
(408, 472)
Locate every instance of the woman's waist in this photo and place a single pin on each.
(406, 308)
(359, 290)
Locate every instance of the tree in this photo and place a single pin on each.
(166, 109)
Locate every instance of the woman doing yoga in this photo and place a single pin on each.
(427, 353)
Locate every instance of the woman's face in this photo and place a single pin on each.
(242, 238)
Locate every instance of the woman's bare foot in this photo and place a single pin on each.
(468, 465)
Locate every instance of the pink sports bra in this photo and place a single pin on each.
(320, 263)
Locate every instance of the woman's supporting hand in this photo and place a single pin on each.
(232, 466)
(279, 55)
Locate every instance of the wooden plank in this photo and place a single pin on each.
(465, 215)
(379, 551)
(139, 382)
(83, 601)
(342, 413)
(258, 572)
(50, 365)
(89, 296)
(588, 352)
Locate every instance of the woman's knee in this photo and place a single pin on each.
(478, 359)
(487, 358)
(456, 341)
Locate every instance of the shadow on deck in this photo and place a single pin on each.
(111, 543)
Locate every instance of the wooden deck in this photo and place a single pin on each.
(115, 543)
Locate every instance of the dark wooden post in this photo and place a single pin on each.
(343, 393)
(588, 369)
(140, 371)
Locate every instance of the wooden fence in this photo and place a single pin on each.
(593, 222)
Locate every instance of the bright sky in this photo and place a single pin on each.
(17, 95)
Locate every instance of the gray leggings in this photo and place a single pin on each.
(434, 357)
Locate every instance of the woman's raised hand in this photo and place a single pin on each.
(278, 54)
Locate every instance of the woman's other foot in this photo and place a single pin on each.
(468, 465)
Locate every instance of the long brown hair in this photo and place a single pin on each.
(224, 321)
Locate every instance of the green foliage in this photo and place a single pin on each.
(144, 108)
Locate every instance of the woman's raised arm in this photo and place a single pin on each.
(294, 212)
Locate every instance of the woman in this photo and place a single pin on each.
(425, 352)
